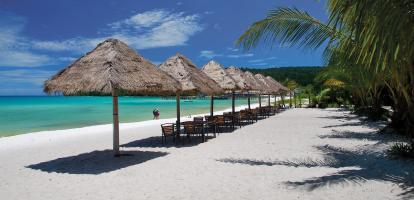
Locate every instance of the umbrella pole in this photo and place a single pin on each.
(268, 99)
(260, 100)
(115, 122)
(211, 105)
(177, 95)
(233, 100)
(248, 100)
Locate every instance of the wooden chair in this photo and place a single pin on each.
(211, 124)
(168, 130)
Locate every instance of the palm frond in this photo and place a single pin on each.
(290, 27)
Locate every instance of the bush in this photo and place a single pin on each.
(402, 150)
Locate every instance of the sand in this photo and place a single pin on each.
(297, 154)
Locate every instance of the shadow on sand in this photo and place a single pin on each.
(96, 162)
(156, 142)
(362, 164)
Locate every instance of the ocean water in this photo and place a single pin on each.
(19, 115)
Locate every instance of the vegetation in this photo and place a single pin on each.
(401, 150)
(368, 50)
(302, 75)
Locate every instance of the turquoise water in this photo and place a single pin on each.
(20, 115)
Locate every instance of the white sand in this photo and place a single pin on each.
(298, 154)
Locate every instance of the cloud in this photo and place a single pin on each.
(209, 54)
(14, 49)
(23, 59)
(261, 60)
(240, 55)
(151, 29)
(232, 49)
(34, 77)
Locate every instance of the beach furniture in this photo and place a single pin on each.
(211, 124)
(168, 130)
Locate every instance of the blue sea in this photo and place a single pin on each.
(19, 115)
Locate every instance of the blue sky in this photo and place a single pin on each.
(38, 38)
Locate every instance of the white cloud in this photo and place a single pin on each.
(261, 60)
(35, 77)
(23, 59)
(14, 49)
(240, 55)
(209, 54)
(232, 49)
(151, 29)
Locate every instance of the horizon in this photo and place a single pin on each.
(41, 38)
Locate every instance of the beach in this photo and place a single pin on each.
(297, 154)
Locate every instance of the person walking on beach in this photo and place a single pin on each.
(156, 113)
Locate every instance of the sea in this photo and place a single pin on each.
(26, 114)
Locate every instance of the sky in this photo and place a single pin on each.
(39, 38)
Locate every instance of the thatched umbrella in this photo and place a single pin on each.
(270, 88)
(217, 72)
(112, 67)
(238, 76)
(282, 89)
(255, 85)
(192, 79)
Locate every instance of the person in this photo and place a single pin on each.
(156, 113)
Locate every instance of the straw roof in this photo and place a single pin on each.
(253, 83)
(216, 71)
(281, 87)
(238, 76)
(192, 79)
(112, 64)
(266, 84)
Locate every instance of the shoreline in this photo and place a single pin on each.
(41, 137)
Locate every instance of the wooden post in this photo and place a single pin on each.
(248, 101)
(276, 103)
(268, 100)
(115, 122)
(177, 95)
(212, 105)
(233, 101)
(260, 100)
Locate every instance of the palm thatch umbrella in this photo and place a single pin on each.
(217, 72)
(256, 86)
(282, 89)
(238, 76)
(270, 88)
(192, 79)
(112, 68)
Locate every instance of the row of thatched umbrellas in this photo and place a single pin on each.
(113, 68)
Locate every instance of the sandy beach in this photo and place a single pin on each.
(297, 154)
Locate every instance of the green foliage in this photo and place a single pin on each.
(302, 75)
(369, 49)
(402, 150)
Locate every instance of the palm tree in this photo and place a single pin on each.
(291, 85)
(309, 90)
(374, 37)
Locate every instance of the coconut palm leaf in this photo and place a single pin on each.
(291, 27)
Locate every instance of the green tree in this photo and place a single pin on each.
(371, 36)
